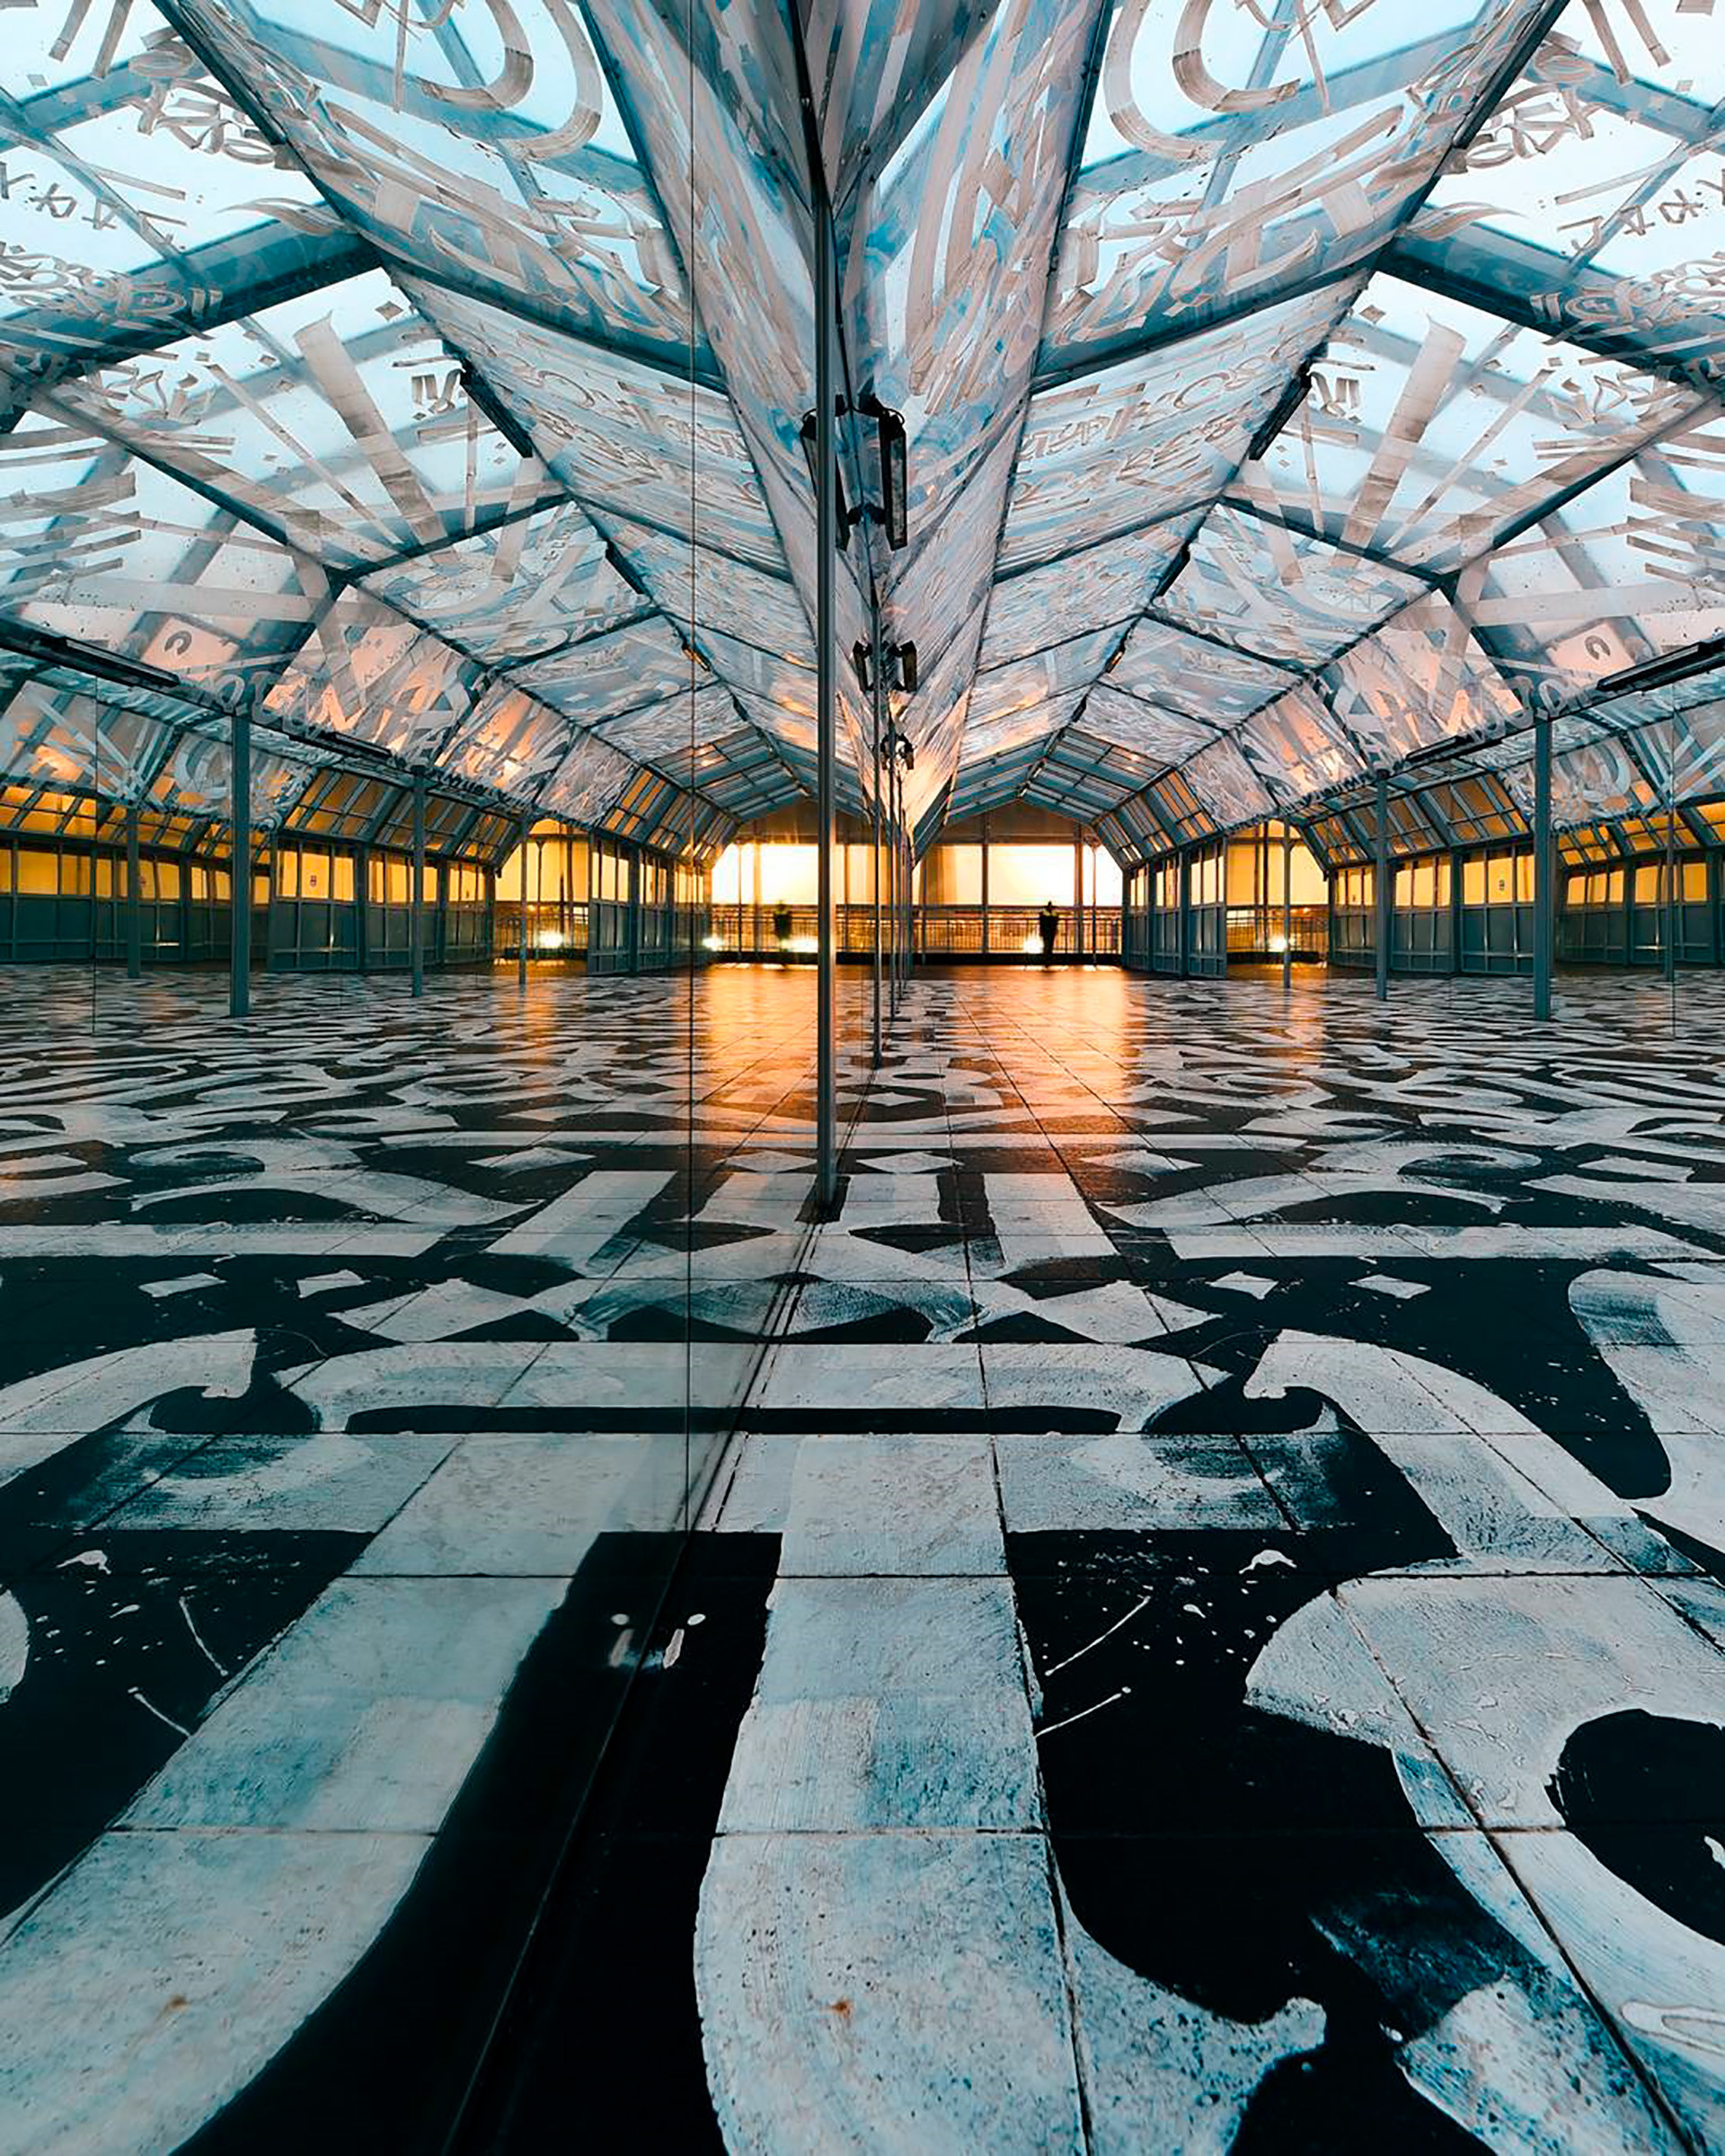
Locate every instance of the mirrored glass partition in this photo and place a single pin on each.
(409, 587)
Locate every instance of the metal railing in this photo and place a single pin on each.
(1255, 931)
(939, 931)
(1015, 932)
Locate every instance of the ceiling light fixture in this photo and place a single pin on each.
(1671, 666)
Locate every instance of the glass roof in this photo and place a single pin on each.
(1289, 389)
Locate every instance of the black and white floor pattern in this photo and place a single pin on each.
(352, 1415)
(1243, 1667)
(1212, 1637)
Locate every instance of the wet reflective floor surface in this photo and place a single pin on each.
(1210, 1636)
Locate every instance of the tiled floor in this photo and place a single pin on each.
(1212, 1638)
(346, 1443)
(1241, 1663)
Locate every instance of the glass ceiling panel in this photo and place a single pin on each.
(52, 736)
(1044, 675)
(124, 159)
(610, 675)
(1297, 747)
(197, 779)
(509, 740)
(1165, 665)
(750, 671)
(1126, 447)
(371, 674)
(996, 733)
(338, 419)
(793, 731)
(935, 719)
(1431, 427)
(1235, 149)
(589, 779)
(955, 254)
(529, 588)
(1226, 784)
(620, 436)
(1421, 679)
(101, 547)
(1598, 181)
(481, 141)
(713, 101)
(1632, 568)
(1166, 735)
(1672, 760)
(1107, 583)
(699, 590)
(943, 582)
(667, 734)
(1280, 593)
(262, 399)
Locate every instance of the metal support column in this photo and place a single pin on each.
(1287, 909)
(1381, 891)
(1185, 860)
(1077, 897)
(825, 697)
(521, 918)
(898, 958)
(1545, 913)
(134, 901)
(239, 882)
(983, 943)
(416, 894)
(876, 702)
(1668, 926)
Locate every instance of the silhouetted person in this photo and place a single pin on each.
(781, 930)
(1047, 922)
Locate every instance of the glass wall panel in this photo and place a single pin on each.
(428, 1253)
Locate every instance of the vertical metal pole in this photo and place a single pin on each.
(239, 885)
(880, 694)
(490, 916)
(1381, 890)
(134, 901)
(982, 943)
(1185, 903)
(825, 706)
(1287, 909)
(416, 895)
(896, 889)
(521, 917)
(1670, 922)
(1078, 898)
(1544, 915)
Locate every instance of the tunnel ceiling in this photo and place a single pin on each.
(1292, 389)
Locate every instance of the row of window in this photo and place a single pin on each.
(1426, 886)
(1608, 886)
(299, 874)
(35, 873)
